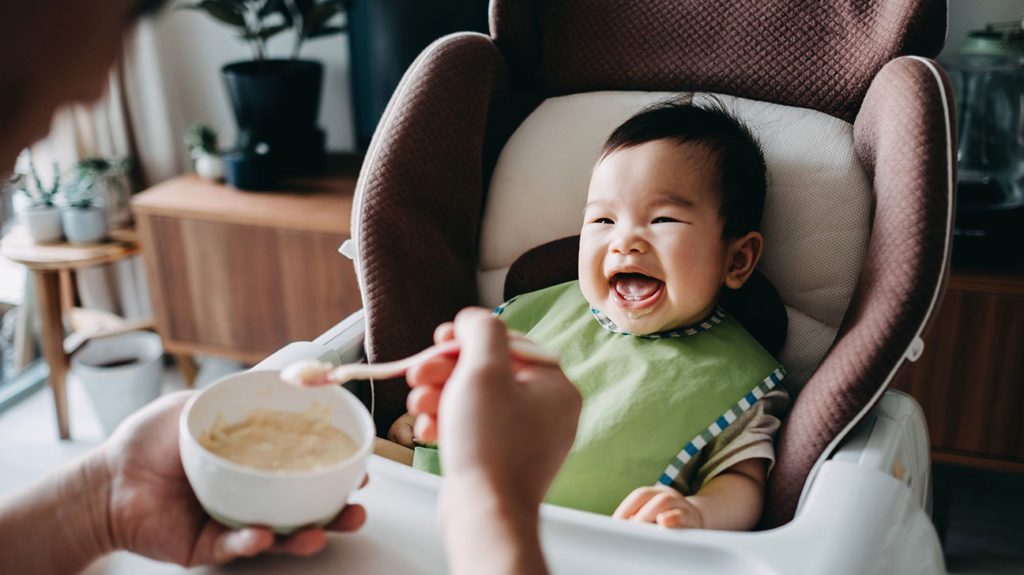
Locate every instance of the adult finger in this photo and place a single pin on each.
(351, 518)
(218, 544)
(633, 502)
(433, 371)
(426, 428)
(423, 400)
(444, 332)
(313, 540)
(303, 543)
(484, 340)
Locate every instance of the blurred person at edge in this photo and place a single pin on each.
(130, 493)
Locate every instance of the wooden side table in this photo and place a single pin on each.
(240, 274)
(52, 265)
(970, 378)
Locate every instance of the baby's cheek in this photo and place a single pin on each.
(593, 286)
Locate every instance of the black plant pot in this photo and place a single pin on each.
(249, 171)
(278, 102)
(385, 36)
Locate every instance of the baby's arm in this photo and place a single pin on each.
(731, 501)
(401, 431)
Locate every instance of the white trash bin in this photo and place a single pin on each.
(120, 374)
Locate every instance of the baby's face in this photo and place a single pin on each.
(652, 256)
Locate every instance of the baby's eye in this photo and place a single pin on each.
(603, 221)
(663, 220)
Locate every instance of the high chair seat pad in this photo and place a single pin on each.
(817, 212)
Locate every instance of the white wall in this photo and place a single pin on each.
(190, 50)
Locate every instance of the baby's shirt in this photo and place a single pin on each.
(675, 408)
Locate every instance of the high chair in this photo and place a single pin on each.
(484, 154)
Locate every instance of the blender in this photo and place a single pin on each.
(988, 80)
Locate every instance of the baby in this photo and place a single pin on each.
(679, 400)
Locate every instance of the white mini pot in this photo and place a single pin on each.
(120, 374)
(210, 167)
(85, 225)
(43, 223)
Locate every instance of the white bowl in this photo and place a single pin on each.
(237, 495)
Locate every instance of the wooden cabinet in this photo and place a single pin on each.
(240, 274)
(970, 379)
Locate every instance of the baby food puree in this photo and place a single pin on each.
(280, 440)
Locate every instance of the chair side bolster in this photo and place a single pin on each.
(904, 136)
(416, 213)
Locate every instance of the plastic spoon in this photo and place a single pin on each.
(313, 373)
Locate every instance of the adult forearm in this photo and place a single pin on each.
(485, 532)
(59, 525)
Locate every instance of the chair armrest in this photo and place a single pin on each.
(893, 439)
(346, 338)
(343, 343)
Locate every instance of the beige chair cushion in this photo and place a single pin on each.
(817, 215)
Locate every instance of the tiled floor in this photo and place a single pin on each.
(986, 520)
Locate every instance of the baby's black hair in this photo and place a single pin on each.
(737, 155)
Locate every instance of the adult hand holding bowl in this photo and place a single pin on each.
(283, 499)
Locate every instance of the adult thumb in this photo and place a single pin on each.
(483, 343)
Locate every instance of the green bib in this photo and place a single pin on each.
(650, 403)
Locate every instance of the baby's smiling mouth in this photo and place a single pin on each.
(635, 290)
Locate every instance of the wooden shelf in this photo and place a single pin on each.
(240, 274)
(323, 205)
(970, 378)
(987, 281)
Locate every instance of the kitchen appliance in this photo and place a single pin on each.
(988, 80)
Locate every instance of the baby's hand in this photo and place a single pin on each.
(662, 505)
(401, 430)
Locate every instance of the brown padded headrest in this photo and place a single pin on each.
(757, 305)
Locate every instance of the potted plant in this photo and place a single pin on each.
(84, 217)
(249, 166)
(278, 99)
(37, 210)
(202, 146)
(110, 184)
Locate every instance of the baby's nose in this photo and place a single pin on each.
(628, 242)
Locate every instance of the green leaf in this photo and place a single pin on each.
(265, 33)
(319, 17)
(271, 7)
(326, 31)
(224, 11)
(305, 7)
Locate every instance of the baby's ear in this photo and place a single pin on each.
(742, 255)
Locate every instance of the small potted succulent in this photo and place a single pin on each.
(110, 184)
(202, 146)
(84, 216)
(278, 99)
(37, 208)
